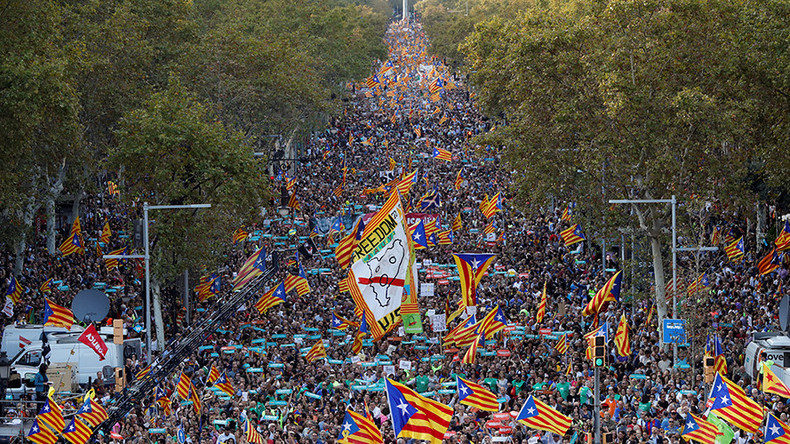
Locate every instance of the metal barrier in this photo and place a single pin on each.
(174, 355)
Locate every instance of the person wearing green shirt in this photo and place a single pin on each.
(421, 383)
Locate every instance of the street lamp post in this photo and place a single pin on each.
(147, 258)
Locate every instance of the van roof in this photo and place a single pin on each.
(778, 342)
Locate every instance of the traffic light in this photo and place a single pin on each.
(599, 351)
(709, 364)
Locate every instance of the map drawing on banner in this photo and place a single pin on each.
(380, 267)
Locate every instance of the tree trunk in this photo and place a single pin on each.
(761, 223)
(53, 193)
(75, 206)
(653, 229)
(20, 246)
(157, 302)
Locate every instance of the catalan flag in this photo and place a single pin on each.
(183, 386)
(52, 415)
(494, 206)
(572, 235)
(73, 243)
(113, 263)
(106, 233)
(601, 330)
(731, 404)
(542, 306)
(275, 296)
(341, 323)
(537, 415)
(316, 352)
(112, 188)
(458, 180)
(356, 347)
(471, 269)
(698, 429)
(348, 244)
(415, 416)
(14, 291)
(776, 431)
(251, 434)
(566, 214)
(621, 338)
(698, 284)
(298, 283)
(442, 154)
(471, 353)
(358, 429)
(782, 241)
(735, 249)
(493, 322)
(161, 399)
(406, 183)
(57, 316)
(223, 384)
(239, 235)
(143, 373)
(457, 223)
(46, 287)
(92, 412)
(194, 396)
(715, 236)
(253, 267)
(77, 432)
(461, 330)
(436, 85)
(208, 285)
(475, 395)
(445, 237)
(772, 383)
(609, 292)
(770, 262)
(418, 235)
(371, 82)
(40, 434)
(562, 344)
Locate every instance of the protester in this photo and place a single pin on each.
(644, 396)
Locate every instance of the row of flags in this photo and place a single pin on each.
(50, 421)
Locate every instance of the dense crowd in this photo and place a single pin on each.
(644, 396)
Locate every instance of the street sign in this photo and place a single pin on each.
(674, 331)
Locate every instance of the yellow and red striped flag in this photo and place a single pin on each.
(253, 267)
(537, 415)
(698, 429)
(106, 233)
(542, 306)
(405, 184)
(316, 352)
(621, 338)
(183, 386)
(782, 241)
(731, 404)
(77, 432)
(572, 235)
(475, 395)
(609, 292)
(458, 180)
(275, 296)
(442, 154)
(734, 250)
(239, 235)
(52, 415)
(252, 435)
(457, 223)
(92, 412)
(562, 344)
(776, 431)
(224, 384)
(213, 374)
(772, 383)
(40, 434)
(471, 352)
(415, 416)
(358, 429)
(57, 316)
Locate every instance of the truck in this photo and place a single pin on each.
(18, 336)
(768, 346)
(66, 351)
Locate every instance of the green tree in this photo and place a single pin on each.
(40, 133)
(174, 152)
(628, 99)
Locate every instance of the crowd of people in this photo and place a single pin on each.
(390, 128)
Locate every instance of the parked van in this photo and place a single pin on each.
(18, 336)
(66, 349)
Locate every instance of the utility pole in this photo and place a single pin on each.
(405, 10)
(597, 406)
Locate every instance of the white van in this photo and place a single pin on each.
(66, 349)
(18, 336)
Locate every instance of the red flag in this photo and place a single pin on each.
(91, 338)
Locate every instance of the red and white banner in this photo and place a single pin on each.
(91, 338)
